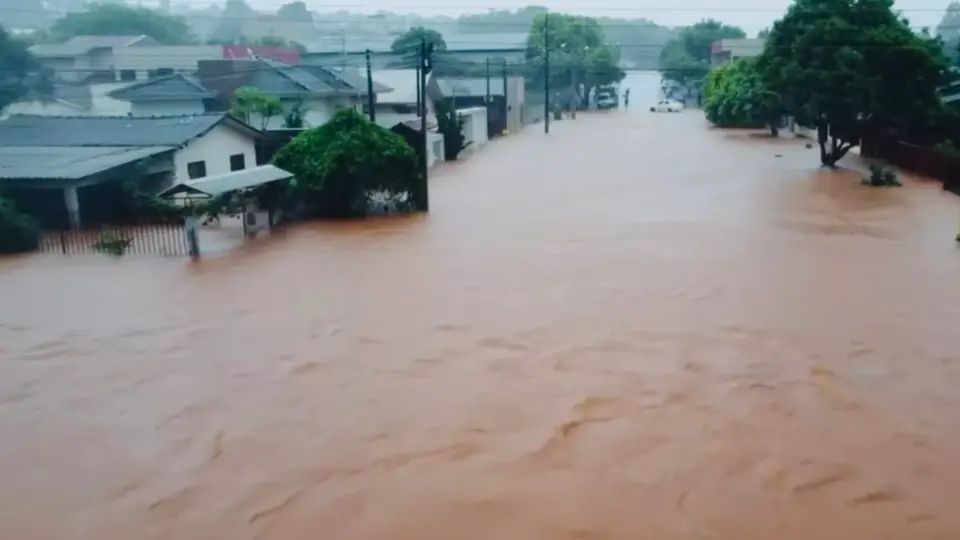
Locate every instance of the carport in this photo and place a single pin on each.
(207, 188)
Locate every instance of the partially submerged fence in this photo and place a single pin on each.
(916, 159)
(168, 240)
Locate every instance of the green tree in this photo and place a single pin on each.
(19, 71)
(407, 45)
(18, 232)
(735, 96)
(851, 66)
(450, 125)
(295, 11)
(338, 165)
(121, 19)
(251, 104)
(580, 55)
(687, 57)
(273, 41)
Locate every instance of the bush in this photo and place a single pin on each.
(338, 165)
(881, 176)
(18, 232)
(450, 125)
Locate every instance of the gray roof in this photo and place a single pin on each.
(83, 44)
(70, 163)
(169, 87)
(211, 186)
(61, 131)
(475, 86)
(72, 94)
(284, 80)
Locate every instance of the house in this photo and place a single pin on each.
(85, 58)
(321, 91)
(505, 110)
(172, 94)
(728, 50)
(71, 159)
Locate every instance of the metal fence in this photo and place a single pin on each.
(168, 240)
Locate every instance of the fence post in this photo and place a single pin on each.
(63, 242)
(193, 242)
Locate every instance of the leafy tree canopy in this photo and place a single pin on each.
(295, 11)
(251, 104)
(123, 20)
(407, 45)
(338, 165)
(735, 96)
(579, 51)
(847, 66)
(18, 69)
(687, 57)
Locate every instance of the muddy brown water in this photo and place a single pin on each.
(634, 328)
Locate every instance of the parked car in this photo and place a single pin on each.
(606, 101)
(667, 105)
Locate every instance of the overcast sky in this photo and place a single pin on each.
(751, 15)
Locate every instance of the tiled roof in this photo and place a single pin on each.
(285, 80)
(28, 130)
(71, 163)
(169, 87)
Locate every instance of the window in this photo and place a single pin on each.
(197, 169)
(237, 162)
(128, 75)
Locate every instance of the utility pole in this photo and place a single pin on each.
(488, 85)
(371, 97)
(506, 104)
(423, 200)
(546, 73)
(419, 92)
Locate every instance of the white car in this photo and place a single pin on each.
(667, 105)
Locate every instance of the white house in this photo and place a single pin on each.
(70, 153)
(86, 58)
(319, 91)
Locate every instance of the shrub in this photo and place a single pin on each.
(881, 176)
(450, 124)
(339, 164)
(18, 232)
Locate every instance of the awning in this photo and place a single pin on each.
(211, 186)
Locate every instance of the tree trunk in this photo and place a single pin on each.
(838, 149)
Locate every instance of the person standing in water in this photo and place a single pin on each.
(626, 99)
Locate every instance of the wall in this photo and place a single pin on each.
(215, 148)
(474, 127)
(180, 57)
(318, 111)
(104, 105)
(43, 108)
(167, 108)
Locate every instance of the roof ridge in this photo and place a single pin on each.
(116, 117)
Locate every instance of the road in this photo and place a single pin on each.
(635, 327)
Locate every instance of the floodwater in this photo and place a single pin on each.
(635, 328)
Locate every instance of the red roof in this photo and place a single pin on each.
(245, 52)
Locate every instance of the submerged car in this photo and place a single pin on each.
(667, 105)
(606, 101)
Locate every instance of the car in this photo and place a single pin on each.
(606, 101)
(667, 105)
